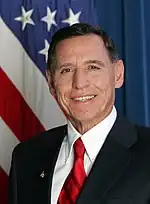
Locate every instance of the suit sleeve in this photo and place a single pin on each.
(12, 182)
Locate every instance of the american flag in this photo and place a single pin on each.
(26, 107)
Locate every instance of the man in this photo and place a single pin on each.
(98, 157)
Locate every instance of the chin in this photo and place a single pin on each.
(83, 118)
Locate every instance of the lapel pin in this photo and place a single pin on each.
(42, 174)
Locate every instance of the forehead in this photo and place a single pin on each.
(81, 47)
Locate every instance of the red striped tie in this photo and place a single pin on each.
(76, 178)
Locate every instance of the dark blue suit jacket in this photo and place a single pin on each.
(120, 174)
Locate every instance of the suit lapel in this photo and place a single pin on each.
(43, 180)
(111, 161)
(46, 164)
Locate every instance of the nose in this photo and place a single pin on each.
(80, 79)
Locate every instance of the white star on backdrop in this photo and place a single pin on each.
(49, 19)
(45, 50)
(25, 18)
(73, 18)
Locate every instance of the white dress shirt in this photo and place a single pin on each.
(93, 141)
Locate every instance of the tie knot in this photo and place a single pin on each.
(79, 148)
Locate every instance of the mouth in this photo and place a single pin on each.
(84, 98)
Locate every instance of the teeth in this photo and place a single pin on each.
(84, 98)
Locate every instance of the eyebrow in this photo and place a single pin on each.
(100, 63)
(65, 65)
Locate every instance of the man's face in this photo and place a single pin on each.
(85, 79)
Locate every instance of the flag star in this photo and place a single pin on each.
(49, 19)
(25, 18)
(45, 50)
(73, 18)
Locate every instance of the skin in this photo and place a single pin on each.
(85, 69)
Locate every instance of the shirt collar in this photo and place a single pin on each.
(95, 137)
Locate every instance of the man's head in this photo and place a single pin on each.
(83, 71)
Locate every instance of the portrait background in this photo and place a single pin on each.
(26, 27)
(128, 24)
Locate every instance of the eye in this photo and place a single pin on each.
(93, 67)
(65, 70)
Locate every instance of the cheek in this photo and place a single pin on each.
(63, 85)
(62, 93)
(106, 86)
(103, 83)
(63, 81)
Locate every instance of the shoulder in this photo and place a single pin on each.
(143, 133)
(132, 135)
(141, 147)
(126, 127)
(39, 142)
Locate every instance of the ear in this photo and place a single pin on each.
(50, 82)
(119, 73)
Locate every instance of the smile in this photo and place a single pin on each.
(84, 98)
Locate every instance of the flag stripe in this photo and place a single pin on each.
(7, 143)
(26, 106)
(28, 79)
(25, 124)
(3, 187)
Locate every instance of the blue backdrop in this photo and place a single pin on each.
(128, 22)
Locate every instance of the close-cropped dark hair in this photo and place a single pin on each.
(79, 29)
